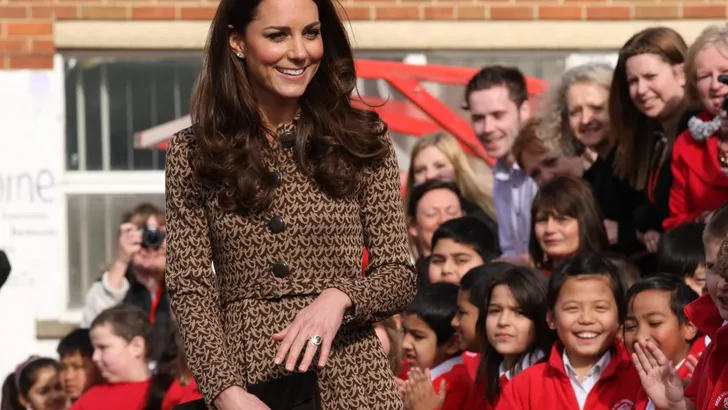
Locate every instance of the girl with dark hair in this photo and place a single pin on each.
(34, 385)
(515, 332)
(565, 220)
(282, 182)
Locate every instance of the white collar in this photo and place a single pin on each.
(526, 362)
(596, 370)
(445, 366)
(502, 172)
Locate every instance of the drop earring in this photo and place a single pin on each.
(240, 55)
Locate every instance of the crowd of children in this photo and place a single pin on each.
(481, 334)
(105, 367)
(591, 332)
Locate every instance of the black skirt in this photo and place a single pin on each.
(298, 391)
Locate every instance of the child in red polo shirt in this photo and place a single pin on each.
(708, 388)
(514, 332)
(656, 312)
(472, 297)
(430, 343)
(120, 336)
(589, 368)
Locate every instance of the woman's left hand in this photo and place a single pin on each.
(321, 318)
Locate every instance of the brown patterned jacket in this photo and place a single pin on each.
(270, 265)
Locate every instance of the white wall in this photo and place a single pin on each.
(32, 209)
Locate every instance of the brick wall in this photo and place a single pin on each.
(26, 26)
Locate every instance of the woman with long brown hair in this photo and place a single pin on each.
(565, 221)
(281, 183)
(646, 103)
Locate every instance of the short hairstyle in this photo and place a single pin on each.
(436, 304)
(587, 264)
(127, 322)
(712, 36)
(142, 212)
(681, 250)
(681, 294)
(717, 227)
(419, 190)
(529, 140)
(497, 75)
(77, 341)
(471, 232)
(629, 272)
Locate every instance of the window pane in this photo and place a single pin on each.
(92, 100)
(164, 106)
(71, 117)
(141, 110)
(93, 228)
(121, 138)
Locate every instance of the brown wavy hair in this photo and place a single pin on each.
(334, 140)
(635, 132)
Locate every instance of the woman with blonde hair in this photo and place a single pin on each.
(576, 114)
(700, 155)
(439, 156)
(646, 103)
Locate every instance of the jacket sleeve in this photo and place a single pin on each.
(680, 209)
(190, 280)
(102, 296)
(390, 282)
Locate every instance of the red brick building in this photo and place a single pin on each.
(29, 29)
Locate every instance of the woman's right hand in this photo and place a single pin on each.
(235, 398)
(658, 376)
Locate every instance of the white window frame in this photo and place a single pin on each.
(102, 183)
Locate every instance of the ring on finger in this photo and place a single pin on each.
(316, 340)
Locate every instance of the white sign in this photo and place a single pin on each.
(32, 220)
(575, 60)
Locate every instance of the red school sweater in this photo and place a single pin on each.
(472, 361)
(708, 388)
(546, 385)
(178, 394)
(697, 348)
(477, 400)
(457, 385)
(117, 396)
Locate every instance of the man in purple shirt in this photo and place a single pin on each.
(497, 99)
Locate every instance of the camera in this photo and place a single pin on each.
(152, 237)
(723, 78)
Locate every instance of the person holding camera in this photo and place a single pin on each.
(136, 275)
(700, 154)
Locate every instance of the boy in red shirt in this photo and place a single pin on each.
(589, 368)
(430, 343)
(708, 389)
(78, 370)
(120, 336)
(656, 312)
